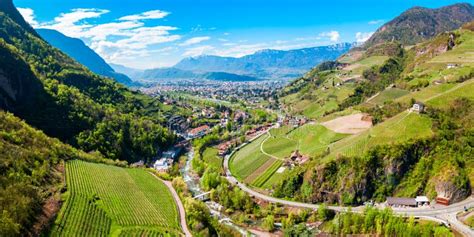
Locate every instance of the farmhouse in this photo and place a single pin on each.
(451, 65)
(198, 132)
(401, 202)
(418, 107)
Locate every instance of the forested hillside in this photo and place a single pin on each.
(31, 176)
(79, 51)
(418, 24)
(54, 93)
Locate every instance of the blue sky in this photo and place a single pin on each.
(159, 33)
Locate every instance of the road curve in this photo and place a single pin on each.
(182, 212)
(446, 215)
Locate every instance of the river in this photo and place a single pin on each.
(195, 189)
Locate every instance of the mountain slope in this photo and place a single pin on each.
(405, 153)
(418, 24)
(54, 93)
(31, 174)
(76, 49)
(167, 74)
(268, 64)
(130, 72)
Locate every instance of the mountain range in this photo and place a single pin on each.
(264, 64)
(78, 50)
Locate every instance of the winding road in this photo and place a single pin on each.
(445, 215)
(182, 213)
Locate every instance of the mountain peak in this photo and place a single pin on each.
(7, 7)
(420, 23)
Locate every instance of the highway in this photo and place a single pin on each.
(445, 215)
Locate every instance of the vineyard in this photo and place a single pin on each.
(401, 128)
(104, 200)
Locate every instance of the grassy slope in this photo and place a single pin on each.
(102, 196)
(402, 127)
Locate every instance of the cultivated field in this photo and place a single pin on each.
(387, 95)
(259, 169)
(106, 200)
(350, 124)
(402, 127)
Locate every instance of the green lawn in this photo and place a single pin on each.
(106, 200)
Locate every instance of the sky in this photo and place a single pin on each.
(159, 33)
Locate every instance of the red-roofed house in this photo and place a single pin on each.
(198, 132)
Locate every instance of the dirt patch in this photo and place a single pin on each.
(260, 171)
(350, 124)
(49, 211)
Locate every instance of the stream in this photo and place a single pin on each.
(195, 189)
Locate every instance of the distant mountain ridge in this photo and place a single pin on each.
(267, 64)
(78, 50)
(173, 74)
(419, 23)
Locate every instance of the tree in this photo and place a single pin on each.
(269, 223)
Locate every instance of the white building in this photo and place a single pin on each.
(422, 200)
(418, 107)
(161, 165)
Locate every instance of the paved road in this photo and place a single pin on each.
(445, 215)
(182, 213)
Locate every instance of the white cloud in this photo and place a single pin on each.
(361, 37)
(155, 14)
(29, 16)
(195, 40)
(332, 35)
(71, 23)
(197, 51)
(375, 22)
(118, 41)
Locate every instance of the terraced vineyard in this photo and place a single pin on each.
(107, 200)
(400, 128)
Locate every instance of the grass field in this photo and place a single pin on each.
(400, 128)
(388, 95)
(211, 157)
(106, 200)
(441, 95)
(313, 139)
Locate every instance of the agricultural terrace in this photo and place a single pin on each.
(385, 96)
(400, 128)
(441, 95)
(260, 162)
(106, 200)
